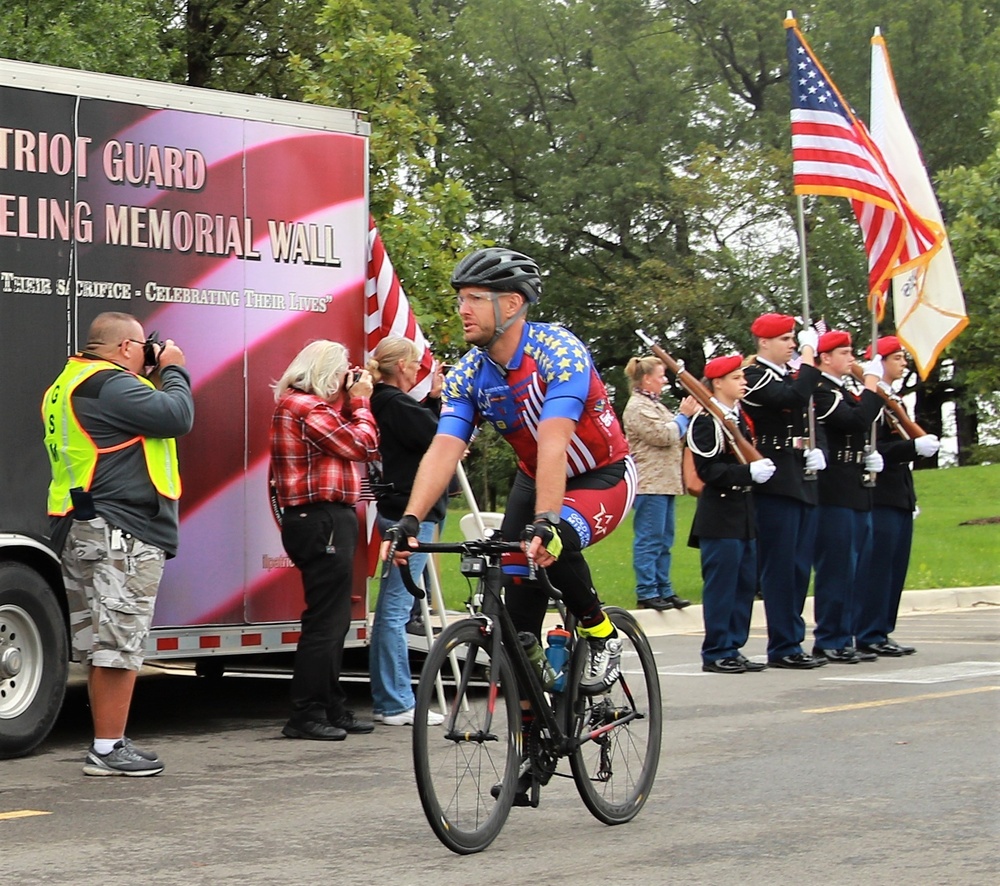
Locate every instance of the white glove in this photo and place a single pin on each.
(808, 338)
(873, 367)
(916, 511)
(874, 462)
(762, 470)
(927, 445)
(815, 460)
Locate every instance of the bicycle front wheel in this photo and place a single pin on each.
(466, 767)
(615, 764)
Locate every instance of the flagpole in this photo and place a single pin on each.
(800, 224)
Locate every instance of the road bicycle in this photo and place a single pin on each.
(476, 674)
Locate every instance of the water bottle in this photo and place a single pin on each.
(533, 649)
(557, 652)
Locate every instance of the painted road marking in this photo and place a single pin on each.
(942, 673)
(861, 705)
(21, 813)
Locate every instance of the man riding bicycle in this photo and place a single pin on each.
(537, 385)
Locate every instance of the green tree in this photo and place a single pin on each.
(110, 36)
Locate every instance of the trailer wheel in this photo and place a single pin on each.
(33, 659)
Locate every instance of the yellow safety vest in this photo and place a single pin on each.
(73, 454)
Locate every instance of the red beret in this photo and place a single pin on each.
(720, 366)
(772, 325)
(835, 338)
(887, 344)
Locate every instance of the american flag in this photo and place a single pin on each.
(388, 312)
(833, 154)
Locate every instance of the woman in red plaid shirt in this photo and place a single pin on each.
(322, 426)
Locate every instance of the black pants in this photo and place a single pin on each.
(320, 539)
(526, 601)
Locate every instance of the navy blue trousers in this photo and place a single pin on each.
(786, 528)
(840, 536)
(729, 573)
(882, 573)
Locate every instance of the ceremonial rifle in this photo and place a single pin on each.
(744, 450)
(896, 412)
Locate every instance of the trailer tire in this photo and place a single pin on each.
(34, 659)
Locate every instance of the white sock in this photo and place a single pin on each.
(104, 746)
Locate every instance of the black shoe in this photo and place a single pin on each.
(881, 649)
(522, 796)
(352, 725)
(863, 654)
(751, 666)
(677, 602)
(905, 650)
(797, 662)
(657, 603)
(724, 666)
(847, 655)
(316, 730)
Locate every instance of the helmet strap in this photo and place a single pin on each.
(501, 328)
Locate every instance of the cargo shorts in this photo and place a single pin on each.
(111, 581)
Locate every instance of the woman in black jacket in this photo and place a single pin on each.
(406, 428)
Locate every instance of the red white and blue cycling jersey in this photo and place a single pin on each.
(550, 376)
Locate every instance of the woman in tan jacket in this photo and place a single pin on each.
(655, 436)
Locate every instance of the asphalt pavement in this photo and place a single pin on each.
(845, 775)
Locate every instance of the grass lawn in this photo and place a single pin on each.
(945, 553)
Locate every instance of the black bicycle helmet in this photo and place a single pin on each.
(501, 269)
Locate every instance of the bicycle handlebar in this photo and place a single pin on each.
(474, 548)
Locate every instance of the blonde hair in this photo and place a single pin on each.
(638, 368)
(317, 369)
(388, 352)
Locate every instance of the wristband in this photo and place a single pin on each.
(548, 516)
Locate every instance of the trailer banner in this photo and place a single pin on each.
(240, 239)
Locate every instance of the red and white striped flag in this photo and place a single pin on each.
(388, 312)
(833, 154)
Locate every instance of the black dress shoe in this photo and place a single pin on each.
(657, 603)
(316, 730)
(863, 654)
(880, 649)
(847, 655)
(905, 650)
(751, 666)
(724, 666)
(676, 602)
(797, 662)
(352, 725)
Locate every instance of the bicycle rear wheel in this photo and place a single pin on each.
(458, 762)
(615, 766)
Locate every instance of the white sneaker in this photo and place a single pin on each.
(378, 718)
(406, 718)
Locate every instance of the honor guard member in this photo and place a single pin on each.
(776, 402)
(893, 509)
(845, 495)
(723, 527)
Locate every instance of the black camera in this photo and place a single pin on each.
(151, 349)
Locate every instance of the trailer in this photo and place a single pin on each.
(236, 226)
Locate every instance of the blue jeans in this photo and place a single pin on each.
(652, 539)
(388, 655)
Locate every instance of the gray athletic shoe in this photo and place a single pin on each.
(123, 759)
(603, 664)
(149, 755)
